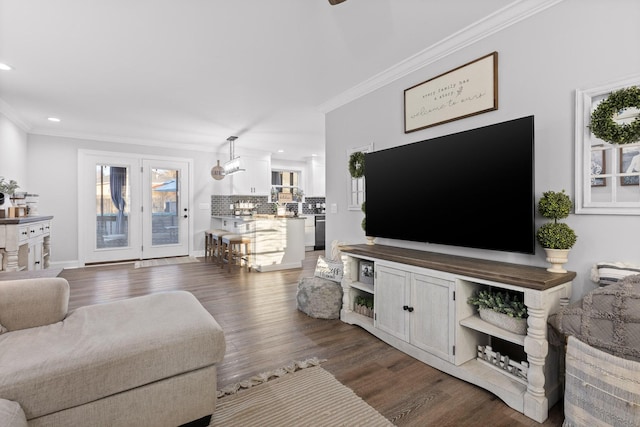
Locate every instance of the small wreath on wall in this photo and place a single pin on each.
(356, 164)
(604, 127)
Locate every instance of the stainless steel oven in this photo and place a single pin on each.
(319, 243)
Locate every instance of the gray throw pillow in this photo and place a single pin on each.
(607, 318)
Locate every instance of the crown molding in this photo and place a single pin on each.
(123, 140)
(491, 24)
(202, 147)
(14, 117)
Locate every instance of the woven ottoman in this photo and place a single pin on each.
(319, 298)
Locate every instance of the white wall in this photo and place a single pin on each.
(575, 44)
(53, 174)
(13, 153)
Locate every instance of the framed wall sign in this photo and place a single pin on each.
(465, 91)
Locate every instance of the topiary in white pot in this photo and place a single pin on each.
(557, 238)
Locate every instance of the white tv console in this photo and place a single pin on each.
(420, 307)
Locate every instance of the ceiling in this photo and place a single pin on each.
(190, 73)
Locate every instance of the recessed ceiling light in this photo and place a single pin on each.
(53, 119)
(5, 67)
(314, 155)
(281, 151)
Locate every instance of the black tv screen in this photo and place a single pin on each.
(472, 189)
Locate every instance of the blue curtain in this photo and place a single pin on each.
(118, 182)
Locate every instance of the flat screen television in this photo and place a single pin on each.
(471, 189)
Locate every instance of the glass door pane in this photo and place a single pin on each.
(108, 207)
(164, 205)
(165, 223)
(112, 206)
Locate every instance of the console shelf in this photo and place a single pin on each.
(420, 307)
(476, 323)
(363, 287)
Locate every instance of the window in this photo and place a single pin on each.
(286, 181)
(606, 179)
(112, 206)
(356, 190)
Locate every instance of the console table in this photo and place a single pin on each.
(420, 307)
(25, 243)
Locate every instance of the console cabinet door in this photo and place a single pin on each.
(433, 315)
(392, 293)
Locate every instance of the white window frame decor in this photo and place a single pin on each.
(356, 189)
(608, 195)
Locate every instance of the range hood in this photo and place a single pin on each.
(234, 165)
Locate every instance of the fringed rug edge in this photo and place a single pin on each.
(264, 377)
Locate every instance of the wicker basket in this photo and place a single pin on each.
(501, 320)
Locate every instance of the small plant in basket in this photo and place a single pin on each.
(501, 302)
(363, 305)
(501, 309)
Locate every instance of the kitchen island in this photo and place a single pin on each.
(277, 242)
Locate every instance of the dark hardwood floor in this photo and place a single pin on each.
(265, 331)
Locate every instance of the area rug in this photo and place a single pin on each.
(165, 261)
(293, 396)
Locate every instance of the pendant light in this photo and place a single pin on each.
(233, 165)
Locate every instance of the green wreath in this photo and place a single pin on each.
(604, 127)
(356, 164)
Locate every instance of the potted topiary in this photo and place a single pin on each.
(557, 238)
(502, 309)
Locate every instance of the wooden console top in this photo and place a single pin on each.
(527, 276)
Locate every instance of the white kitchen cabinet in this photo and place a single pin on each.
(315, 178)
(309, 232)
(420, 307)
(255, 180)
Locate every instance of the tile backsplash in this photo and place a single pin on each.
(221, 205)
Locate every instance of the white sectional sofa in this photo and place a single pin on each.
(144, 361)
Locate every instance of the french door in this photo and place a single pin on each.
(132, 207)
(165, 211)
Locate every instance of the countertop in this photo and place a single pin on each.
(23, 219)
